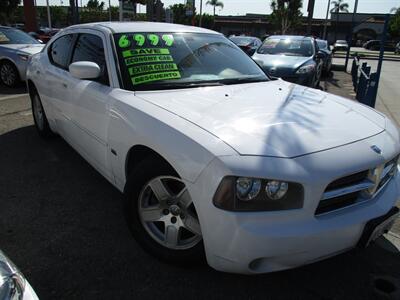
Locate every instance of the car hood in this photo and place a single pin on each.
(27, 48)
(272, 118)
(280, 61)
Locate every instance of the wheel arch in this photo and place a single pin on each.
(138, 153)
(10, 60)
(31, 87)
(5, 58)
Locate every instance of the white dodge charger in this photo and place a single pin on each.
(215, 159)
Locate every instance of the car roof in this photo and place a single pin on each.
(243, 36)
(120, 27)
(292, 37)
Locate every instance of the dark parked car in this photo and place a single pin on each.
(327, 59)
(376, 45)
(293, 58)
(248, 44)
(44, 34)
(340, 45)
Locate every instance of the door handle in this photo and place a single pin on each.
(65, 85)
(38, 72)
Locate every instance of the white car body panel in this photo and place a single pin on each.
(289, 121)
(270, 130)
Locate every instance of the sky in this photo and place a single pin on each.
(241, 7)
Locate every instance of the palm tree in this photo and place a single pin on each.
(215, 3)
(339, 6)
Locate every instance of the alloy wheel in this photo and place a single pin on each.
(7, 74)
(167, 213)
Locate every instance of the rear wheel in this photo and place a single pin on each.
(161, 213)
(39, 116)
(9, 73)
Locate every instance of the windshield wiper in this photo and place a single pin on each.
(243, 80)
(178, 85)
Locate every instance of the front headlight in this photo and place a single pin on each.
(24, 57)
(305, 69)
(247, 188)
(254, 194)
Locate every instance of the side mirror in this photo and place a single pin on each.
(84, 70)
(320, 54)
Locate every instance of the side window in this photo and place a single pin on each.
(59, 51)
(89, 47)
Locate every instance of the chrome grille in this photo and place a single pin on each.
(357, 187)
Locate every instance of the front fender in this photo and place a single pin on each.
(184, 145)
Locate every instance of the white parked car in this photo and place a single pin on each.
(214, 157)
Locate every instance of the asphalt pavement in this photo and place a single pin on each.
(62, 223)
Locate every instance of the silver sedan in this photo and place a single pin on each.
(13, 284)
(16, 47)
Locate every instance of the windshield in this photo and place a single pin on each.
(287, 46)
(322, 44)
(240, 40)
(178, 60)
(15, 36)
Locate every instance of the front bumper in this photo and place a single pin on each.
(260, 242)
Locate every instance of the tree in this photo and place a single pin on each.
(286, 14)
(394, 24)
(215, 3)
(179, 12)
(7, 8)
(95, 5)
(207, 21)
(338, 7)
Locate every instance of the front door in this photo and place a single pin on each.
(89, 100)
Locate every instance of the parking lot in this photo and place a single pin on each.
(63, 225)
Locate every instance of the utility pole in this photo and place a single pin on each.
(326, 18)
(381, 53)
(109, 9)
(121, 13)
(350, 37)
(310, 10)
(48, 14)
(77, 12)
(201, 13)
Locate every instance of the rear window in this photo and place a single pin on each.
(15, 36)
(242, 40)
(287, 46)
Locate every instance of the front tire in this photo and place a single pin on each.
(39, 117)
(9, 75)
(161, 214)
